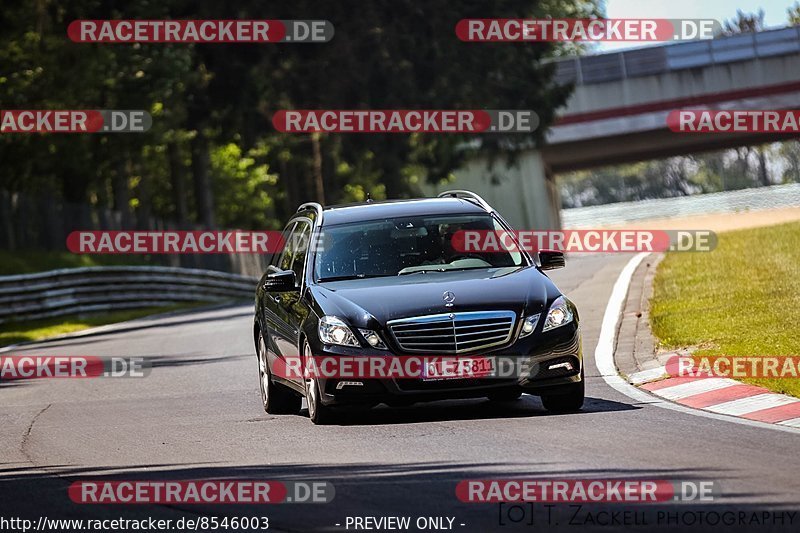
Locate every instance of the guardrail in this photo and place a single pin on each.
(97, 289)
(652, 60)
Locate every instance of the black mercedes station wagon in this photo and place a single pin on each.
(383, 279)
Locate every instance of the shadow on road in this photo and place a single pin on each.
(161, 361)
(526, 407)
(373, 489)
(151, 361)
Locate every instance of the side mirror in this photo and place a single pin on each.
(551, 259)
(280, 281)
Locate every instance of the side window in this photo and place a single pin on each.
(300, 241)
(279, 258)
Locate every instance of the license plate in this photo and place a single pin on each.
(457, 368)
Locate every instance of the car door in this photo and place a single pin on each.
(294, 309)
(271, 309)
(287, 308)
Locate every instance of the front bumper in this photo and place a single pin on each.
(535, 355)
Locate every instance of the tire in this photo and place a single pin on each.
(319, 413)
(505, 396)
(570, 401)
(276, 399)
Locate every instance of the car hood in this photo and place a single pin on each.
(523, 290)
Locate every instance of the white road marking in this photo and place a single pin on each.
(650, 374)
(792, 422)
(684, 390)
(751, 404)
(604, 358)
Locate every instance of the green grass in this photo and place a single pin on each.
(16, 332)
(25, 262)
(741, 299)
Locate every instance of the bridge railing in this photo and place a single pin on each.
(98, 289)
(659, 59)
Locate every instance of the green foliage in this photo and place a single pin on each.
(793, 13)
(26, 261)
(790, 153)
(212, 104)
(744, 23)
(242, 187)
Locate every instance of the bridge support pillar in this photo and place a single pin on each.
(524, 192)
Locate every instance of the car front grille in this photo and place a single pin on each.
(453, 332)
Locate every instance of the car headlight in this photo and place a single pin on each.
(559, 314)
(528, 325)
(373, 339)
(333, 330)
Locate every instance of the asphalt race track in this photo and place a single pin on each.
(198, 415)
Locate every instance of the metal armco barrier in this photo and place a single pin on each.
(97, 289)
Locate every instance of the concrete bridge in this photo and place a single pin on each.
(617, 113)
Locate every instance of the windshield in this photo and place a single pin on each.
(402, 246)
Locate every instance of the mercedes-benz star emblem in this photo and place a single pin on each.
(448, 298)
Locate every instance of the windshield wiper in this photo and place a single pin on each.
(423, 271)
(455, 269)
(352, 276)
(340, 278)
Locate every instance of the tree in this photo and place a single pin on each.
(744, 23)
(212, 157)
(793, 13)
(790, 154)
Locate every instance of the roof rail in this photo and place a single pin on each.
(312, 205)
(467, 195)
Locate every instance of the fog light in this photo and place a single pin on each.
(528, 325)
(565, 365)
(373, 339)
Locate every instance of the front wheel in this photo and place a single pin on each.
(570, 401)
(319, 413)
(276, 399)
